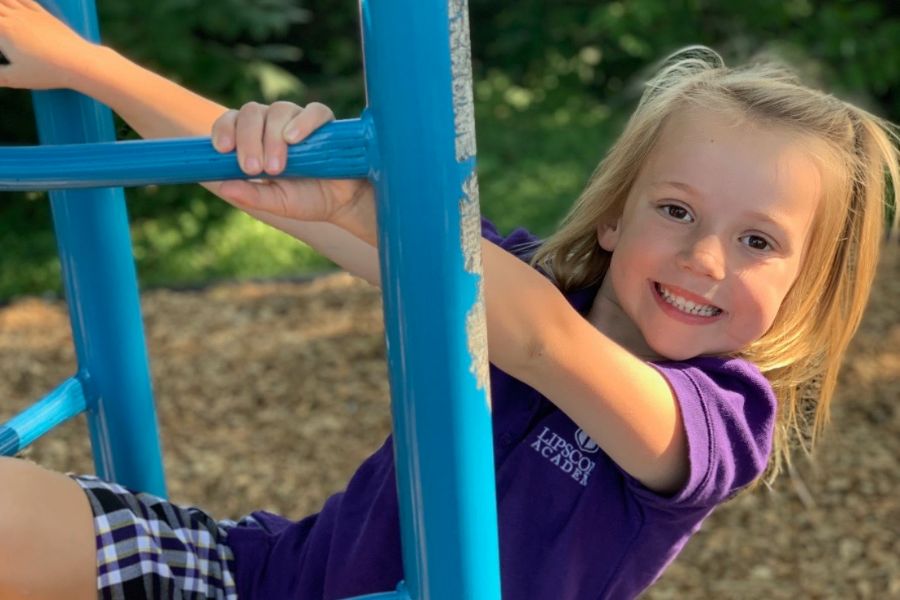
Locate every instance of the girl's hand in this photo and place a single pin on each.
(261, 135)
(43, 52)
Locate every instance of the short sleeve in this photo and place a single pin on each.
(728, 411)
(520, 242)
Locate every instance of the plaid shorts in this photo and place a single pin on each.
(150, 548)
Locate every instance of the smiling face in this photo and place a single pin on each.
(711, 238)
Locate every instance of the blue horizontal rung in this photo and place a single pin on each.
(336, 150)
(56, 408)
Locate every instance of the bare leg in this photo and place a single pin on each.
(47, 546)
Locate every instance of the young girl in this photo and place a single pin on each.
(645, 358)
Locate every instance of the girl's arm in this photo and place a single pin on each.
(625, 405)
(620, 401)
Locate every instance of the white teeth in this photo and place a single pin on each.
(685, 305)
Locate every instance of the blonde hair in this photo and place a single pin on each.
(802, 351)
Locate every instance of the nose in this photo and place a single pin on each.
(705, 256)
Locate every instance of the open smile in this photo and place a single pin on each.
(674, 303)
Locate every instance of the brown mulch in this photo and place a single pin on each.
(270, 394)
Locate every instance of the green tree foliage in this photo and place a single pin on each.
(229, 50)
(562, 76)
(554, 81)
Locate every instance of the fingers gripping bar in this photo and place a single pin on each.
(335, 151)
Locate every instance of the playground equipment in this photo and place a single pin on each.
(416, 142)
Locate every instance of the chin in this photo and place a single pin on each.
(681, 355)
(679, 349)
(677, 353)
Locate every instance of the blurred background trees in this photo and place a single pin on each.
(554, 82)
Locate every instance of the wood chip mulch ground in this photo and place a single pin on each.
(270, 394)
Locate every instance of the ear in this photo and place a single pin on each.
(608, 234)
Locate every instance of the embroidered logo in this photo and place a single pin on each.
(571, 459)
(585, 443)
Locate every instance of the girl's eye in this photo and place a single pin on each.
(677, 212)
(757, 242)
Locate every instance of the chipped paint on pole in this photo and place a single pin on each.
(469, 209)
(476, 323)
(461, 66)
(470, 225)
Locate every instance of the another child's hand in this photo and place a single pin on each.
(261, 135)
(42, 51)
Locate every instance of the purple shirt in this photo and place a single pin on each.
(572, 524)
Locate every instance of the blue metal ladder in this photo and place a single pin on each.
(416, 142)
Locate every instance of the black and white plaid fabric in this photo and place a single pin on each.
(150, 548)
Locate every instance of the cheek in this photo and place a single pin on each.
(628, 271)
(756, 303)
(635, 255)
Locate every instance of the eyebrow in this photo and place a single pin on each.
(682, 186)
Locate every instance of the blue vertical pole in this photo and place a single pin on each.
(101, 288)
(418, 83)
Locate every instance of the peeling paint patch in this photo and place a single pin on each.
(470, 225)
(476, 332)
(461, 67)
(476, 323)
(470, 214)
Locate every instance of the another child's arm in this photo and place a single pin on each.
(44, 53)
